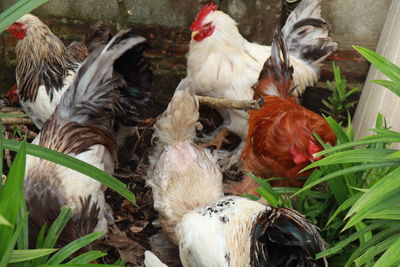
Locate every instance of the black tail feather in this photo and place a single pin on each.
(283, 237)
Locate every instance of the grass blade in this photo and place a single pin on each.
(22, 255)
(11, 197)
(16, 11)
(74, 164)
(73, 247)
(87, 257)
(391, 256)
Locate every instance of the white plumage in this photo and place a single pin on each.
(210, 229)
(225, 64)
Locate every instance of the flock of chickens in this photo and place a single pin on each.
(79, 96)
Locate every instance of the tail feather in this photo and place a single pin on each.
(307, 33)
(94, 84)
(151, 260)
(276, 76)
(177, 123)
(284, 237)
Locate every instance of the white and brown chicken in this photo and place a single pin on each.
(81, 127)
(222, 63)
(46, 67)
(212, 229)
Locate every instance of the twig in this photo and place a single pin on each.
(122, 15)
(231, 103)
(12, 110)
(13, 121)
(150, 123)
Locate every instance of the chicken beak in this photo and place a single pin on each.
(194, 33)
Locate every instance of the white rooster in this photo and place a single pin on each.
(210, 229)
(222, 63)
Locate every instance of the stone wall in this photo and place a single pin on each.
(165, 24)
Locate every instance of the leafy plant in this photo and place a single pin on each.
(353, 196)
(339, 104)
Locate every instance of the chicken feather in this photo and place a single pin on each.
(80, 127)
(225, 64)
(280, 141)
(210, 229)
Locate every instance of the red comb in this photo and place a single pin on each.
(206, 9)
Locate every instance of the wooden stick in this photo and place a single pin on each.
(122, 15)
(11, 121)
(231, 103)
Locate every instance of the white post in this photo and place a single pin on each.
(375, 98)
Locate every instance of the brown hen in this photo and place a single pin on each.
(280, 140)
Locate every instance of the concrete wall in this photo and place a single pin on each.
(165, 23)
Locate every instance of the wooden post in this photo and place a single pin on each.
(375, 98)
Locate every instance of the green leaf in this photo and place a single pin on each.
(87, 257)
(371, 253)
(3, 221)
(75, 164)
(16, 11)
(340, 133)
(391, 256)
(382, 195)
(57, 227)
(11, 197)
(381, 63)
(73, 247)
(388, 230)
(347, 171)
(342, 244)
(366, 140)
(7, 251)
(54, 232)
(354, 156)
(391, 85)
(344, 206)
(28, 254)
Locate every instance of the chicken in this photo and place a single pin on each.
(97, 35)
(222, 63)
(176, 161)
(210, 229)
(44, 69)
(81, 127)
(280, 141)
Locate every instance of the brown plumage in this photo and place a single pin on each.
(97, 35)
(41, 59)
(81, 126)
(280, 139)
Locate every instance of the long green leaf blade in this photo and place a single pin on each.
(22, 255)
(11, 197)
(74, 164)
(16, 11)
(73, 247)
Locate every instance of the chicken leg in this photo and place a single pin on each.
(219, 139)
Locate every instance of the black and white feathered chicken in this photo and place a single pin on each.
(210, 229)
(81, 127)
